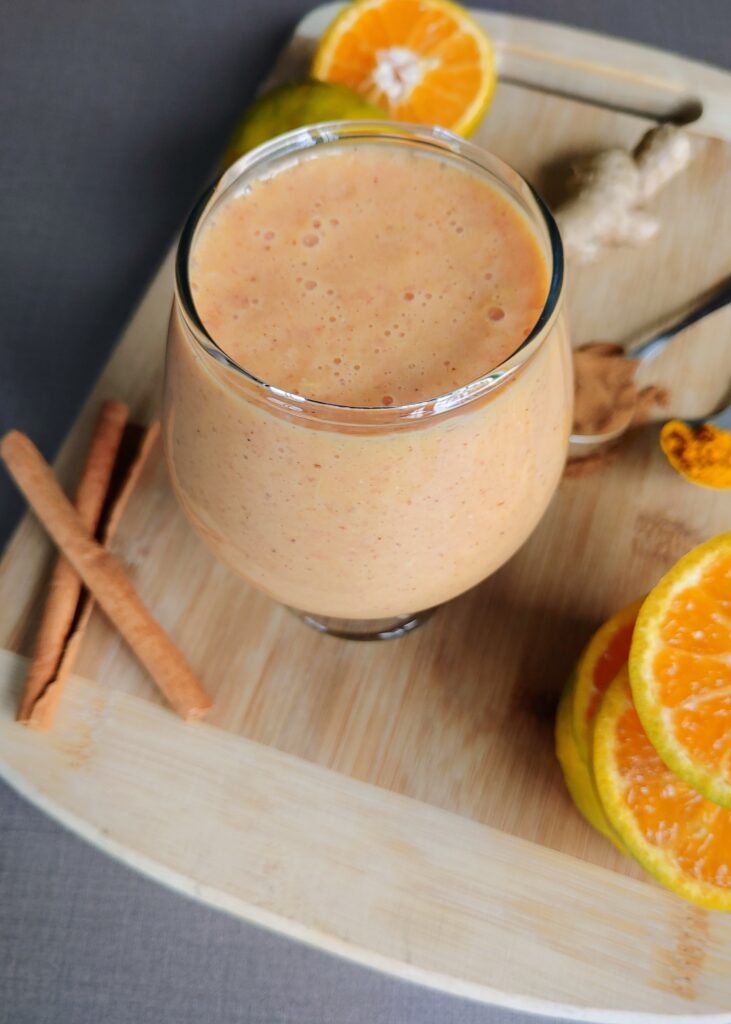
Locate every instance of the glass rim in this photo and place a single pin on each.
(302, 139)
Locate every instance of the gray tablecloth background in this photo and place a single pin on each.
(111, 114)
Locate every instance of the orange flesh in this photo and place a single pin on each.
(693, 667)
(608, 665)
(671, 815)
(442, 94)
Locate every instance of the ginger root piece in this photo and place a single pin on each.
(660, 154)
(613, 186)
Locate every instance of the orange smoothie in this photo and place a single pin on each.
(362, 283)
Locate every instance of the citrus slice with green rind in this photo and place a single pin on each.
(600, 661)
(680, 668)
(680, 838)
(576, 772)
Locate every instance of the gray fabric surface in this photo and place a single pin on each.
(84, 941)
(111, 114)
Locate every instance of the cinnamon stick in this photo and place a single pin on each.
(104, 576)
(65, 587)
(142, 439)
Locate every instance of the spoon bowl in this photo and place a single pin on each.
(647, 347)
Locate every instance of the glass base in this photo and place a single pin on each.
(366, 629)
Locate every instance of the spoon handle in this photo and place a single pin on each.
(711, 301)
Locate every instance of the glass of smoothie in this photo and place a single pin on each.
(368, 389)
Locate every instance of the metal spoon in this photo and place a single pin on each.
(646, 347)
(720, 419)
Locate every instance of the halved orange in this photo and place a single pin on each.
(680, 838)
(680, 668)
(601, 660)
(425, 61)
(576, 773)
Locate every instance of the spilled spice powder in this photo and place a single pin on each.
(587, 464)
(649, 398)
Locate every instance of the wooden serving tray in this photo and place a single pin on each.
(400, 803)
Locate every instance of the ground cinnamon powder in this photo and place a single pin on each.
(605, 390)
(607, 399)
(606, 395)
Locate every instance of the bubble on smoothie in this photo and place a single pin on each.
(269, 235)
(328, 314)
(337, 360)
(496, 313)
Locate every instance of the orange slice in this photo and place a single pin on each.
(576, 773)
(680, 838)
(680, 668)
(425, 61)
(601, 660)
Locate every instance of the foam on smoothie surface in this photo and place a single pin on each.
(369, 277)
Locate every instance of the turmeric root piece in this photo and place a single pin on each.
(612, 188)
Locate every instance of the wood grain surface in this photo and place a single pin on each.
(458, 716)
